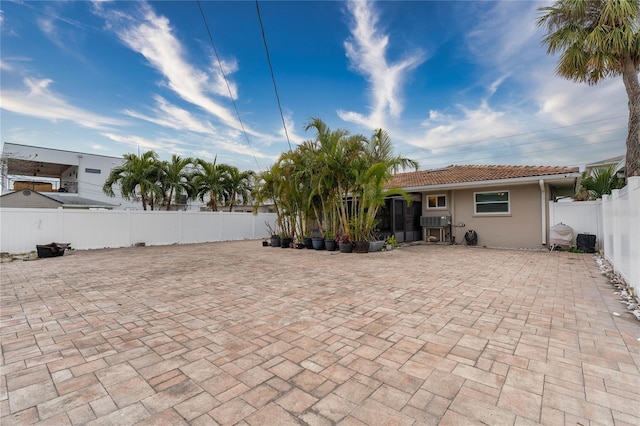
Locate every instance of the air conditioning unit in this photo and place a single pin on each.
(435, 221)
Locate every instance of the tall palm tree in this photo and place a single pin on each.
(209, 179)
(138, 174)
(175, 179)
(341, 155)
(380, 149)
(268, 189)
(599, 39)
(238, 185)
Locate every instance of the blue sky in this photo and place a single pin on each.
(452, 82)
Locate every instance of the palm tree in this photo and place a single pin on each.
(340, 158)
(600, 182)
(175, 179)
(138, 174)
(380, 149)
(209, 179)
(269, 188)
(599, 39)
(238, 185)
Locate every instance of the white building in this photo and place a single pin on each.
(67, 173)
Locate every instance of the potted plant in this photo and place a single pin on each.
(344, 243)
(275, 236)
(391, 242)
(285, 241)
(330, 241)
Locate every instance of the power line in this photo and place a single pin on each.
(524, 134)
(275, 88)
(235, 107)
(541, 150)
(518, 144)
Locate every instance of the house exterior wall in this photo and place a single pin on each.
(441, 233)
(521, 228)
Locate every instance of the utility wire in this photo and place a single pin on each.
(235, 107)
(522, 134)
(266, 48)
(514, 144)
(539, 150)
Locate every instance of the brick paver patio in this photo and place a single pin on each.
(234, 333)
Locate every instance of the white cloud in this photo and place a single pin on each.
(153, 37)
(367, 51)
(41, 102)
(527, 115)
(139, 142)
(168, 115)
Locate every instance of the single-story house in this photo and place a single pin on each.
(27, 198)
(506, 206)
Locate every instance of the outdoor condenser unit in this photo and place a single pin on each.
(435, 221)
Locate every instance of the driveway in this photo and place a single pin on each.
(235, 333)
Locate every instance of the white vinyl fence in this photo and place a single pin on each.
(615, 220)
(22, 229)
(585, 217)
(621, 213)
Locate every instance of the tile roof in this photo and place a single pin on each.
(462, 174)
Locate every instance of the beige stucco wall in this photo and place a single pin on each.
(522, 228)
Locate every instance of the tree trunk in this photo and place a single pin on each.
(630, 78)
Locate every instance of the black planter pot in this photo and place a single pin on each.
(265, 243)
(299, 245)
(345, 247)
(275, 241)
(318, 243)
(285, 242)
(308, 242)
(361, 247)
(330, 245)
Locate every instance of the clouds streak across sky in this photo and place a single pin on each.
(451, 82)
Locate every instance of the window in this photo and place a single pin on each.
(492, 202)
(96, 171)
(436, 201)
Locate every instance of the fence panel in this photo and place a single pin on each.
(23, 229)
(585, 217)
(621, 220)
(199, 227)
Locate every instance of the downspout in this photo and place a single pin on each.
(543, 207)
(452, 237)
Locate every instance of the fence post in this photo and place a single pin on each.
(130, 227)
(633, 184)
(605, 212)
(615, 219)
(60, 233)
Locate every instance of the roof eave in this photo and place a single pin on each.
(561, 178)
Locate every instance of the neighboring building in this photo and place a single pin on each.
(26, 198)
(50, 171)
(53, 171)
(617, 162)
(507, 206)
